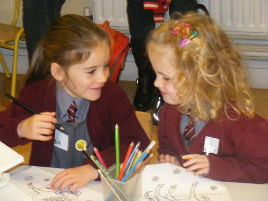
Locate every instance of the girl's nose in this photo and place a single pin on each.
(157, 82)
(103, 75)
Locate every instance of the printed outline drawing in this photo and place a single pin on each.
(158, 192)
(40, 189)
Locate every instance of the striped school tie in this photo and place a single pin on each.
(189, 131)
(71, 111)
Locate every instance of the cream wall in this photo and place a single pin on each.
(70, 6)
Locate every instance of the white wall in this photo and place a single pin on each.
(75, 6)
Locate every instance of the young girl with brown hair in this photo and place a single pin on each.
(72, 63)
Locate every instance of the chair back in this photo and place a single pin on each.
(16, 13)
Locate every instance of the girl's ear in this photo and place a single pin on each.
(57, 71)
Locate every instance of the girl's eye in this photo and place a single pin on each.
(91, 72)
(106, 67)
(166, 78)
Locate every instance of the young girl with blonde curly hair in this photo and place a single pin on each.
(208, 124)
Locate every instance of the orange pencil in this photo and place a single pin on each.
(125, 160)
(186, 157)
(99, 157)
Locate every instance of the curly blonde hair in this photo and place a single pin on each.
(211, 75)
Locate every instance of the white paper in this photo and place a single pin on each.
(9, 192)
(35, 182)
(168, 182)
(8, 158)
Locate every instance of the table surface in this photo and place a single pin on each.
(237, 191)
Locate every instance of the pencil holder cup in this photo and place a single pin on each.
(127, 191)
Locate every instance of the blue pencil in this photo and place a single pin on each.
(131, 155)
(134, 167)
(145, 153)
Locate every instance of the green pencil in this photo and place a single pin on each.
(99, 165)
(117, 153)
(96, 162)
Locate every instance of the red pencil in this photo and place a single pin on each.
(99, 157)
(125, 161)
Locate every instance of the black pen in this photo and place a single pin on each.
(58, 126)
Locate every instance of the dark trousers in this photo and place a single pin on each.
(141, 22)
(37, 16)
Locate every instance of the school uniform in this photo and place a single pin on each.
(242, 154)
(113, 107)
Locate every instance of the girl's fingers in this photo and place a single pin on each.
(197, 166)
(60, 181)
(47, 127)
(161, 158)
(54, 182)
(202, 171)
(53, 114)
(195, 158)
(47, 118)
(67, 182)
(75, 186)
(166, 158)
(173, 160)
(43, 138)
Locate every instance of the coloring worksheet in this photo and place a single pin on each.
(168, 182)
(35, 182)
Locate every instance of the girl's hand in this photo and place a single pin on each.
(74, 177)
(197, 163)
(166, 158)
(38, 127)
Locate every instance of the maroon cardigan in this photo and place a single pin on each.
(112, 107)
(243, 145)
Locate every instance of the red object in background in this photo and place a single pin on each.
(119, 51)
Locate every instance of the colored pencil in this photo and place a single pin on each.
(18, 102)
(99, 157)
(117, 151)
(125, 160)
(99, 165)
(144, 155)
(132, 161)
(138, 155)
(143, 163)
(134, 167)
(96, 162)
(132, 155)
(149, 147)
(186, 157)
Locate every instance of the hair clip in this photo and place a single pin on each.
(185, 41)
(185, 30)
(176, 29)
(187, 26)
